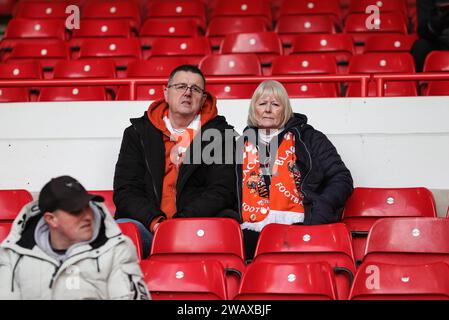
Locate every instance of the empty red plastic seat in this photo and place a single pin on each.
(389, 62)
(288, 27)
(306, 64)
(311, 7)
(380, 281)
(47, 53)
(112, 9)
(85, 68)
(411, 241)
(266, 45)
(130, 230)
(184, 280)
(306, 244)
(153, 29)
(436, 61)
(120, 50)
(26, 70)
(219, 27)
(35, 28)
(244, 8)
(12, 201)
(100, 28)
(231, 65)
(192, 49)
(388, 23)
(287, 281)
(42, 9)
(339, 46)
(390, 43)
(72, 93)
(159, 67)
(366, 205)
(178, 9)
(359, 6)
(200, 239)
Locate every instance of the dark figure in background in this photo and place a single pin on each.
(433, 29)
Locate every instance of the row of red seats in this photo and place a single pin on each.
(201, 13)
(26, 30)
(225, 65)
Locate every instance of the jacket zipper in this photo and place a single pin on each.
(13, 273)
(54, 275)
(146, 163)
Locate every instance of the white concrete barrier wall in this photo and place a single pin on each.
(385, 142)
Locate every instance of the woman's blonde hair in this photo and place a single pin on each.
(279, 93)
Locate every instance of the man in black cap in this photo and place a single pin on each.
(67, 246)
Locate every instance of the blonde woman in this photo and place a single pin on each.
(288, 172)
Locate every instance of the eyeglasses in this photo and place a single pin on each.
(183, 87)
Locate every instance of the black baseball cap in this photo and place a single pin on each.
(65, 193)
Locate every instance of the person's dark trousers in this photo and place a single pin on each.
(145, 235)
(421, 48)
(250, 239)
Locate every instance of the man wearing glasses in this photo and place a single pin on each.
(156, 175)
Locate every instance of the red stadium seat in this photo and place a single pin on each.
(388, 23)
(359, 6)
(390, 62)
(81, 93)
(192, 49)
(85, 68)
(411, 241)
(401, 282)
(100, 28)
(4, 230)
(112, 9)
(219, 27)
(288, 27)
(366, 205)
(12, 201)
(306, 64)
(178, 9)
(339, 46)
(130, 230)
(27, 29)
(153, 29)
(312, 7)
(287, 281)
(154, 67)
(199, 239)
(108, 199)
(436, 61)
(266, 45)
(184, 280)
(306, 244)
(48, 53)
(231, 65)
(42, 9)
(26, 70)
(120, 50)
(390, 43)
(244, 8)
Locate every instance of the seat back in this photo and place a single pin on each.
(12, 201)
(188, 280)
(366, 205)
(85, 68)
(112, 9)
(108, 199)
(5, 228)
(380, 281)
(203, 238)
(191, 49)
(71, 93)
(41, 9)
(283, 280)
(35, 28)
(244, 8)
(130, 230)
(390, 43)
(408, 240)
(178, 9)
(306, 244)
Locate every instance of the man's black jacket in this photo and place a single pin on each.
(202, 190)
